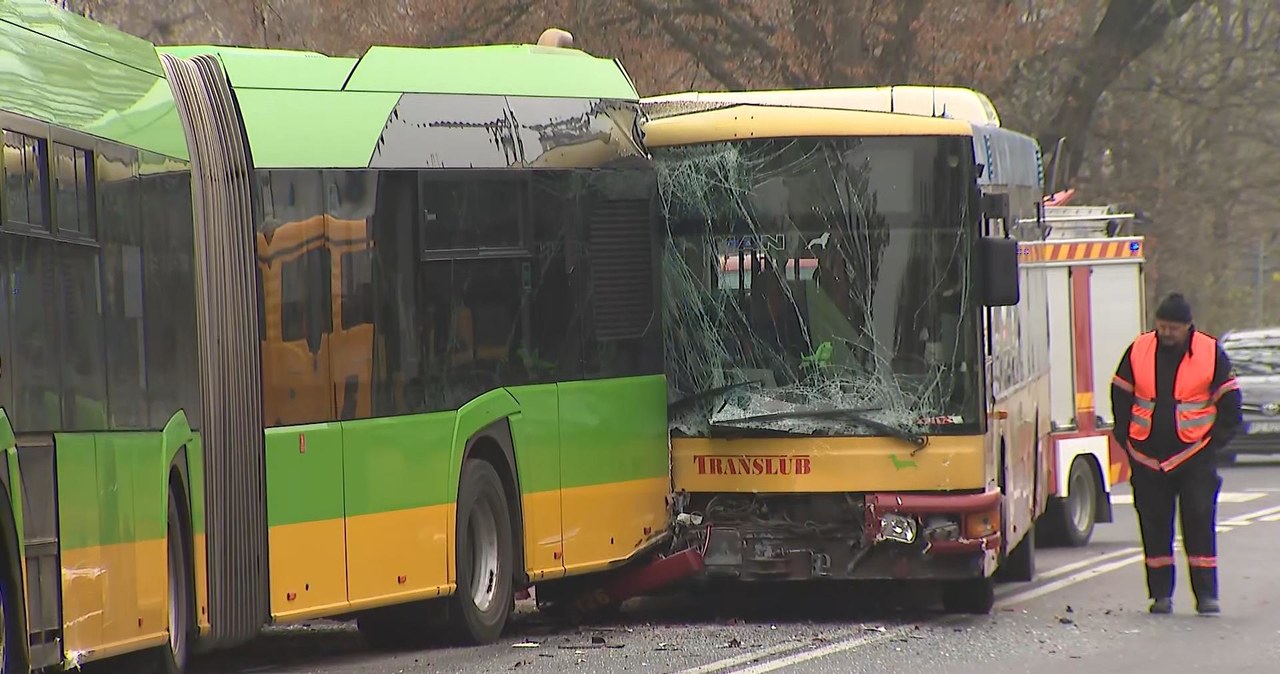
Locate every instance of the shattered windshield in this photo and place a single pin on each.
(820, 286)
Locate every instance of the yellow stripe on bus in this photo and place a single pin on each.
(606, 524)
(544, 546)
(333, 566)
(202, 583)
(114, 598)
(818, 464)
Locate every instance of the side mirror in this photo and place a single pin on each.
(998, 260)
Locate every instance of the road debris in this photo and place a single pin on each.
(597, 642)
(527, 644)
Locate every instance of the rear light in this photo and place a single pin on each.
(981, 525)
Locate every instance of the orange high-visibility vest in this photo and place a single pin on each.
(1192, 392)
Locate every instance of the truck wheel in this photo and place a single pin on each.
(973, 595)
(483, 550)
(1079, 509)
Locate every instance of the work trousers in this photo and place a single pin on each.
(1193, 489)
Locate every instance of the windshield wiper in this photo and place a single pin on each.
(708, 394)
(856, 415)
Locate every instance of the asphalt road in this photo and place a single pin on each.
(1086, 612)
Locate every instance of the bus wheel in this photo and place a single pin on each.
(173, 656)
(972, 595)
(173, 660)
(10, 652)
(484, 552)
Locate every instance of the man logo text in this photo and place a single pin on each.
(752, 465)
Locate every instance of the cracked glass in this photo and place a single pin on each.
(820, 286)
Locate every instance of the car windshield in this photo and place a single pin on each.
(805, 276)
(1254, 361)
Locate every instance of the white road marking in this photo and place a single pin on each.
(1096, 567)
(1087, 574)
(1068, 568)
(1249, 517)
(752, 656)
(1224, 497)
(838, 647)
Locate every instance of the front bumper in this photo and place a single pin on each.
(895, 536)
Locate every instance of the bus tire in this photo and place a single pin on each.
(182, 627)
(484, 552)
(173, 657)
(11, 650)
(974, 596)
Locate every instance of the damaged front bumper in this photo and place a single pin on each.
(877, 536)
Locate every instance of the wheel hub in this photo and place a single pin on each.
(484, 556)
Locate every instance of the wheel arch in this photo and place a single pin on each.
(485, 424)
(1068, 449)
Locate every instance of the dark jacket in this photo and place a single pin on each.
(1164, 441)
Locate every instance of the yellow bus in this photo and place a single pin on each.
(859, 364)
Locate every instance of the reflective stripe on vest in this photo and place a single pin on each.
(1196, 403)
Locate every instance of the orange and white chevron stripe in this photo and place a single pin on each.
(1071, 251)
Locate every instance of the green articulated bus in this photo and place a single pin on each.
(287, 336)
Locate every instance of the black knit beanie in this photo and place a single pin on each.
(1174, 308)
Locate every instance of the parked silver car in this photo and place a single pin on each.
(1255, 356)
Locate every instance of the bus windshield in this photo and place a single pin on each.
(813, 275)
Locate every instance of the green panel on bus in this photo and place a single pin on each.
(397, 463)
(42, 18)
(119, 494)
(536, 434)
(304, 474)
(251, 68)
(613, 430)
(350, 123)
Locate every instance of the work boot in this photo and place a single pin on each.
(1162, 605)
(1208, 606)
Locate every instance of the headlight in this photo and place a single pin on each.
(898, 528)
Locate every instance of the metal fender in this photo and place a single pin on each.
(1069, 448)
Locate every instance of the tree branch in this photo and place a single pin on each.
(704, 52)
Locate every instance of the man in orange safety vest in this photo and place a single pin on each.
(1175, 402)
